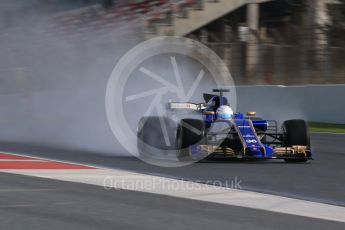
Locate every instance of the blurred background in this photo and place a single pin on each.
(262, 41)
(57, 55)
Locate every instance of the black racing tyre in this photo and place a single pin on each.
(295, 132)
(152, 136)
(189, 132)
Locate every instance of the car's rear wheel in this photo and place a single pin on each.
(189, 132)
(296, 133)
(156, 136)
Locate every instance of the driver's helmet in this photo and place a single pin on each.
(224, 112)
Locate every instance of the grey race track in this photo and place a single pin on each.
(37, 203)
(321, 180)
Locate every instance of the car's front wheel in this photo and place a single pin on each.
(296, 133)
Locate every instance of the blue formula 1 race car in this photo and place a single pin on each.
(222, 134)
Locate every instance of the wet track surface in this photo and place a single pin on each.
(321, 180)
(37, 203)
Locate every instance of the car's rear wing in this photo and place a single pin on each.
(186, 105)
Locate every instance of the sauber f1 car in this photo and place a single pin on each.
(220, 133)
